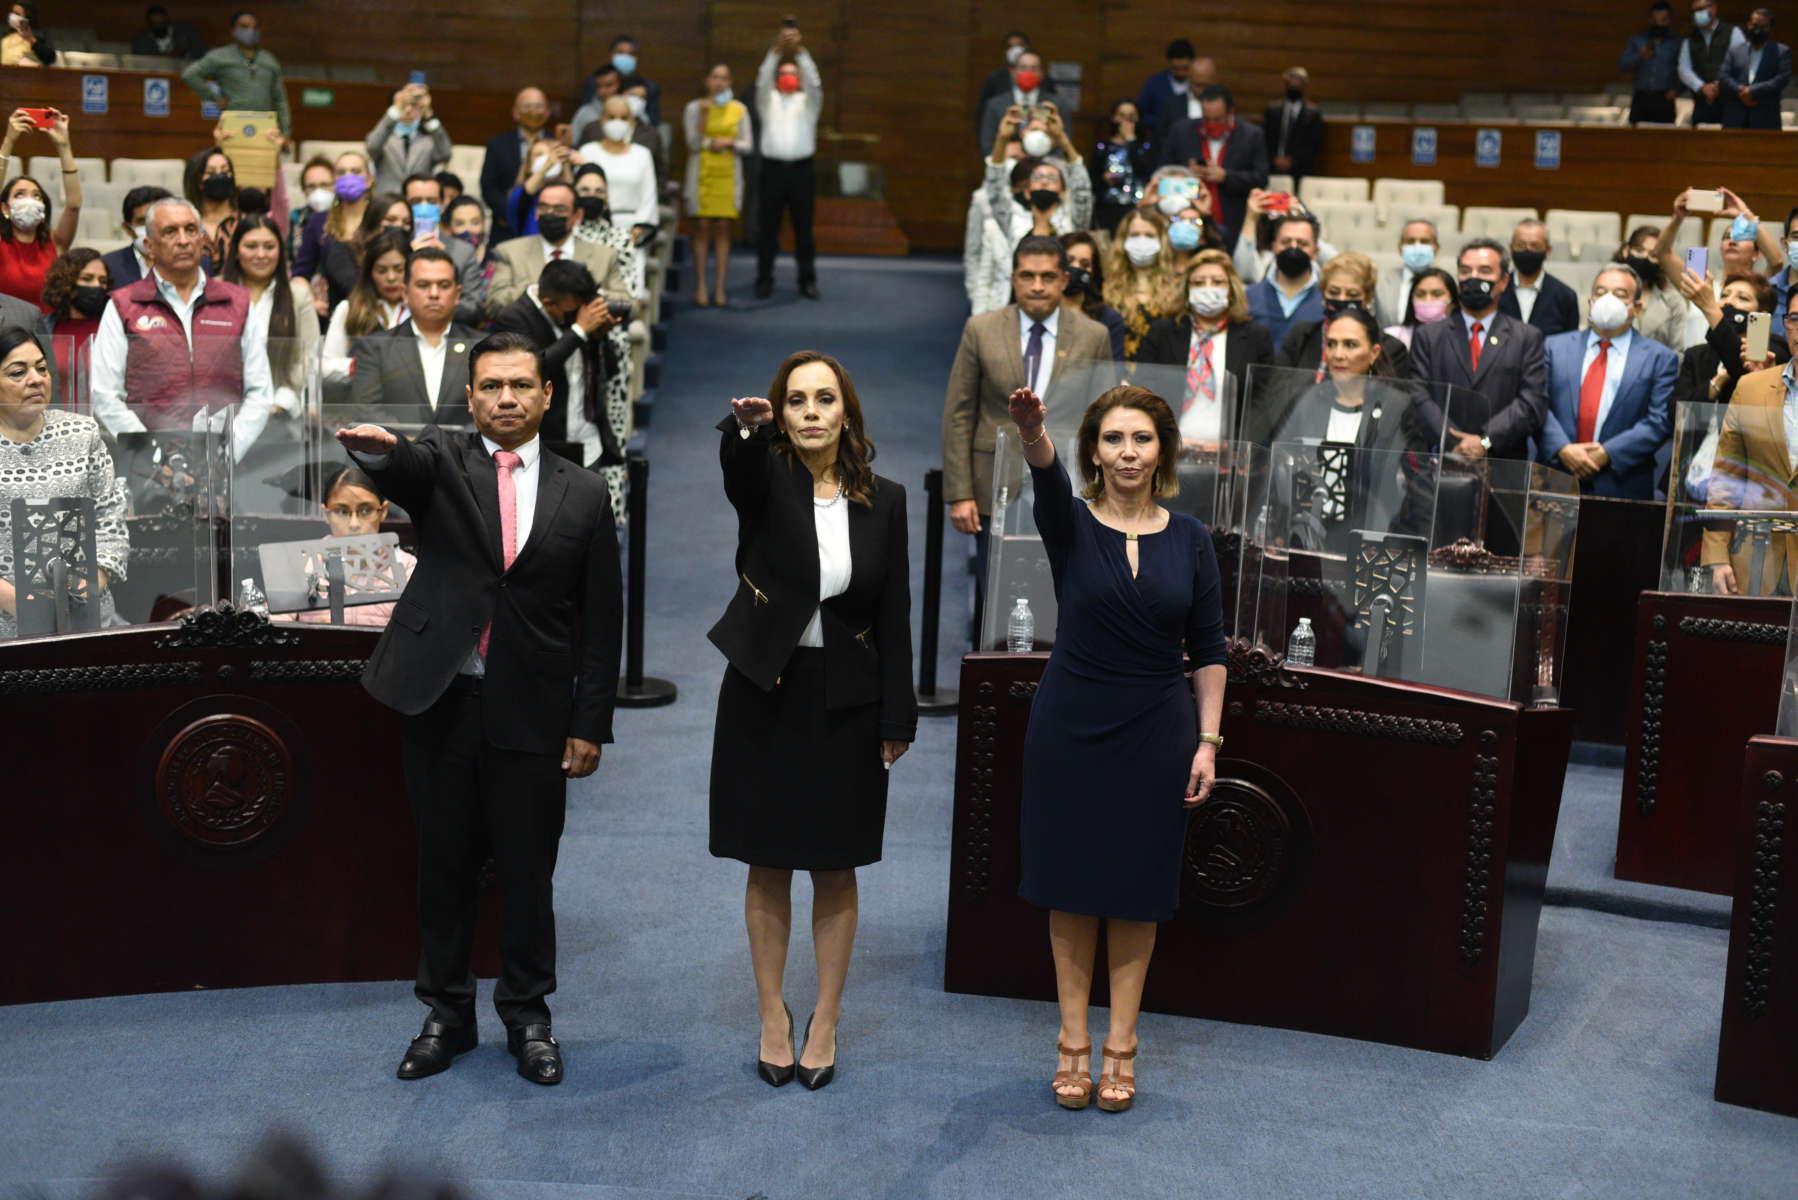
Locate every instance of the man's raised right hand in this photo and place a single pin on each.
(367, 439)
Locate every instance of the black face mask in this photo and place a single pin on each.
(1079, 279)
(1757, 37)
(1647, 268)
(553, 227)
(1735, 318)
(594, 208)
(1042, 199)
(1475, 294)
(160, 31)
(218, 187)
(90, 301)
(1657, 32)
(1295, 93)
(1335, 308)
(1292, 262)
(1528, 262)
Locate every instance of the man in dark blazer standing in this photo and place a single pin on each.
(1228, 155)
(127, 264)
(417, 372)
(1493, 363)
(1754, 76)
(1294, 128)
(1554, 308)
(503, 658)
(505, 154)
(566, 317)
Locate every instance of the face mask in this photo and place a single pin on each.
(218, 187)
(594, 208)
(1609, 313)
(1292, 262)
(15, 20)
(1417, 257)
(1218, 129)
(350, 188)
(1792, 254)
(319, 199)
(553, 227)
(1528, 261)
(626, 63)
(1295, 93)
(1043, 199)
(469, 236)
(1183, 235)
(1142, 250)
(786, 82)
(617, 129)
(1757, 37)
(25, 212)
(1208, 301)
(722, 98)
(1029, 80)
(1476, 294)
(1702, 18)
(406, 128)
(160, 30)
(1647, 268)
(1335, 308)
(1079, 279)
(637, 105)
(1428, 312)
(1173, 206)
(1012, 54)
(1036, 143)
(141, 234)
(424, 210)
(247, 38)
(90, 301)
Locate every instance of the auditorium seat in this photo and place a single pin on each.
(102, 198)
(1518, 98)
(98, 228)
(1392, 198)
(1586, 99)
(330, 149)
(112, 48)
(87, 60)
(1481, 221)
(1536, 113)
(1600, 115)
(1352, 226)
(1579, 277)
(1328, 189)
(70, 39)
(1396, 109)
(47, 167)
(149, 172)
(1475, 105)
(291, 172)
(353, 74)
(1446, 218)
(1438, 112)
(1570, 228)
(152, 62)
(1339, 110)
(298, 70)
(467, 161)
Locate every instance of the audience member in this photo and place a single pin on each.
(1346, 281)
(1709, 369)
(1491, 360)
(625, 57)
(354, 507)
(635, 90)
(1294, 128)
(1167, 87)
(424, 200)
(631, 172)
(1029, 87)
(176, 345)
(1218, 343)
(1000, 81)
(29, 241)
(242, 75)
(1754, 75)
(1535, 296)
(1291, 293)
(408, 139)
(376, 302)
(1140, 279)
(592, 199)
(1352, 401)
(520, 260)
(281, 308)
(24, 45)
(1651, 59)
(165, 38)
(211, 187)
(1185, 107)
(1418, 246)
(1786, 260)
(507, 155)
(343, 261)
(718, 137)
(567, 318)
(1431, 299)
(1752, 468)
(1192, 230)
(1738, 254)
(1608, 395)
(1030, 197)
(315, 196)
(1120, 165)
(975, 272)
(551, 160)
(466, 221)
(451, 183)
(335, 226)
(419, 365)
(789, 96)
(1085, 289)
(1701, 56)
(1254, 253)
(75, 294)
(606, 82)
(1663, 313)
(130, 263)
(1228, 156)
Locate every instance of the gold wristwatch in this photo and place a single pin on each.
(1215, 739)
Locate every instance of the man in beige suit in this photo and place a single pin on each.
(1037, 343)
(520, 260)
(1756, 468)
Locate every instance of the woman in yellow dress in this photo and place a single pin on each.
(718, 136)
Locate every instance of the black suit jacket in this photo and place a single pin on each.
(558, 345)
(390, 377)
(1305, 140)
(498, 173)
(1245, 166)
(1506, 399)
(552, 662)
(867, 629)
(121, 267)
(1169, 343)
(1556, 310)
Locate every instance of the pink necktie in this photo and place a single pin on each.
(507, 462)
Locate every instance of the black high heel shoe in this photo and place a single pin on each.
(775, 1076)
(815, 1077)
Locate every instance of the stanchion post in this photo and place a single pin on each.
(932, 700)
(636, 690)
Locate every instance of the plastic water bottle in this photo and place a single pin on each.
(251, 599)
(1301, 647)
(1020, 628)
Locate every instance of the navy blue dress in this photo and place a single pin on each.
(1113, 728)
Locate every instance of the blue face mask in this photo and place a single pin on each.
(1702, 18)
(1183, 235)
(1417, 257)
(405, 128)
(247, 38)
(1743, 229)
(722, 98)
(626, 63)
(1792, 255)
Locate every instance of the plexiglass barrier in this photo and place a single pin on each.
(1732, 509)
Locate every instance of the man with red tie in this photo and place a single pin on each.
(1227, 155)
(1608, 394)
(503, 658)
(1487, 366)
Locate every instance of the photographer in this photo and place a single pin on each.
(408, 140)
(566, 317)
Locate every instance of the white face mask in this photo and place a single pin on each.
(25, 212)
(1142, 249)
(617, 129)
(1036, 143)
(141, 239)
(1012, 54)
(1208, 301)
(637, 105)
(320, 199)
(1609, 313)
(15, 20)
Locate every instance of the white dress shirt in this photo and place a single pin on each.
(789, 120)
(524, 510)
(1687, 75)
(574, 369)
(338, 356)
(1345, 425)
(1613, 374)
(1791, 413)
(1025, 99)
(564, 248)
(1527, 295)
(1051, 325)
(107, 370)
(431, 358)
(831, 517)
(1202, 420)
(630, 183)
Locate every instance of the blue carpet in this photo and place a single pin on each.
(1603, 1092)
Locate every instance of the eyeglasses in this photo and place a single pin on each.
(362, 512)
(1791, 319)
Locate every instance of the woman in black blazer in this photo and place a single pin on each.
(1218, 304)
(817, 702)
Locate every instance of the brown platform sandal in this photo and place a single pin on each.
(1116, 1081)
(1083, 1078)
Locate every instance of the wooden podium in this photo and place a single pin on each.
(1757, 1052)
(1371, 863)
(1706, 680)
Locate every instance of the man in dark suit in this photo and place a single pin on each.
(127, 264)
(1027, 85)
(1182, 105)
(1754, 76)
(164, 38)
(503, 658)
(1228, 156)
(998, 83)
(1168, 88)
(566, 317)
(418, 371)
(1294, 128)
(1609, 392)
(1553, 306)
(505, 154)
(1492, 362)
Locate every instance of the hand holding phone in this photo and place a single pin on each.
(1702, 200)
(1760, 328)
(1279, 202)
(1698, 260)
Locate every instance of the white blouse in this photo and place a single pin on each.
(831, 517)
(630, 183)
(339, 354)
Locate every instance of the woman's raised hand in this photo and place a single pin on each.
(752, 410)
(1027, 411)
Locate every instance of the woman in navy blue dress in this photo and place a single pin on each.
(1120, 748)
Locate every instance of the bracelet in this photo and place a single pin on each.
(1039, 437)
(1212, 739)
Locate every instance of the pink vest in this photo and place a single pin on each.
(165, 384)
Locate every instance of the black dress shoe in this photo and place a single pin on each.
(764, 288)
(775, 1076)
(815, 1077)
(809, 290)
(538, 1054)
(435, 1048)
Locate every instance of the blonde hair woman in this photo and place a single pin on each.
(1216, 341)
(1140, 280)
(718, 137)
(1346, 281)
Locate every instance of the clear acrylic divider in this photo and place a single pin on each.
(1787, 723)
(1732, 518)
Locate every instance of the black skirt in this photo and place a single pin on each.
(796, 786)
